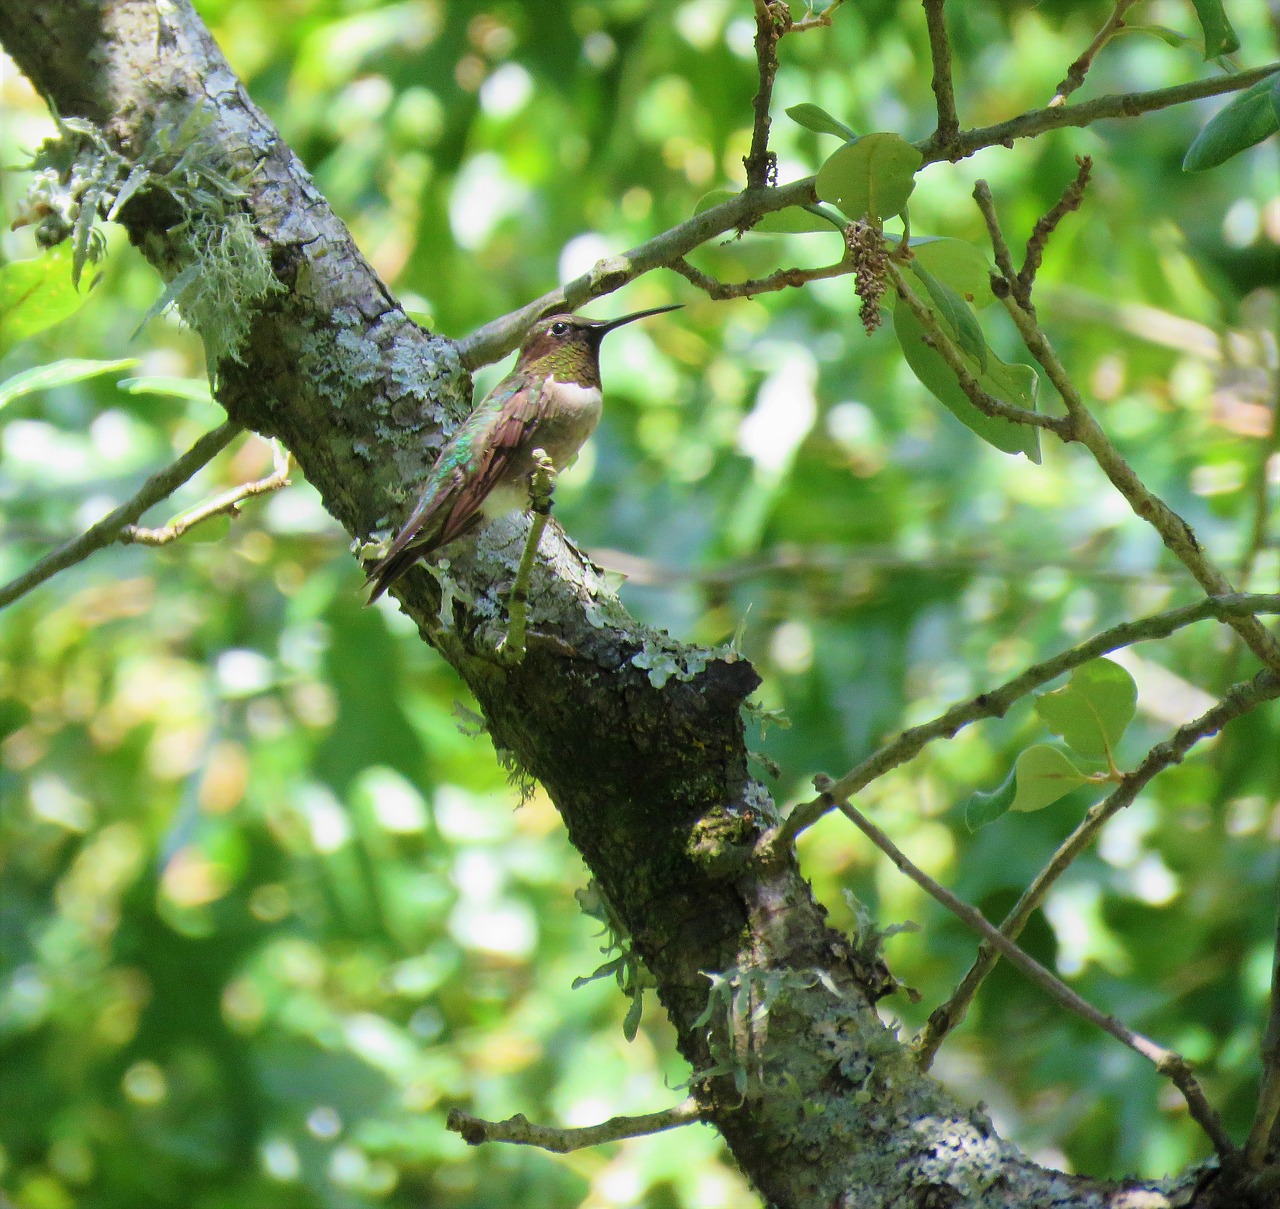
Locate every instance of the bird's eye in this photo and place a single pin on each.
(560, 328)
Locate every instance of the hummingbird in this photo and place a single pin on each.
(551, 401)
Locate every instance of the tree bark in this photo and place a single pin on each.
(637, 739)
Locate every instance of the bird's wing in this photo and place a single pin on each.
(481, 451)
(517, 407)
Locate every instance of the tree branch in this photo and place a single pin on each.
(1044, 228)
(986, 403)
(1080, 68)
(943, 90)
(761, 164)
(1168, 1062)
(1174, 531)
(109, 530)
(996, 703)
(227, 503)
(781, 280)
(1117, 105)
(1268, 1111)
(1238, 700)
(520, 1132)
(498, 337)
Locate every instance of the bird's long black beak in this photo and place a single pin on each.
(601, 326)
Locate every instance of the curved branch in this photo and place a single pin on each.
(1166, 1061)
(111, 528)
(1235, 702)
(519, 1131)
(996, 702)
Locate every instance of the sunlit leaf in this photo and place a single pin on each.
(959, 264)
(195, 389)
(36, 294)
(1091, 712)
(872, 177)
(57, 373)
(814, 118)
(1044, 774)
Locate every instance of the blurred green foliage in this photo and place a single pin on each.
(268, 910)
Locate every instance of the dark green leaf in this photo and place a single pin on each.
(1091, 712)
(1249, 119)
(1219, 37)
(872, 177)
(1044, 774)
(631, 1023)
(1016, 384)
(956, 315)
(814, 118)
(985, 807)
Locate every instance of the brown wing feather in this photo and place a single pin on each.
(465, 495)
(509, 437)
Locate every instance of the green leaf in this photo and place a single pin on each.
(1044, 774)
(985, 807)
(1016, 384)
(57, 373)
(36, 294)
(1219, 37)
(631, 1023)
(872, 177)
(961, 265)
(1249, 119)
(1170, 37)
(956, 314)
(195, 389)
(1091, 712)
(811, 117)
(798, 220)
(215, 529)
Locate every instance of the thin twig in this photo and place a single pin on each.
(1173, 530)
(498, 337)
(816, 20)
(943, 89)
(1168, 1062)
(1238, 700)
(107, 530)
(228, 502)
(997, 702)
(1259, 488)
(1004, 261)
(1116, 105)
(781, 280)
(986, 403)
(761, 163)
(1080, 68)
(520, 1132)
(1070, 200)
(1264, 1122)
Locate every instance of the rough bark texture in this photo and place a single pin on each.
(651, 779)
